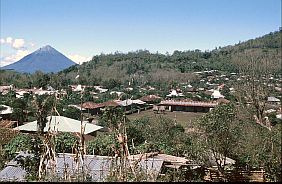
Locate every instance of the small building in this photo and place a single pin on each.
(132, 105)
(92, 108)
(222, 101)
(188, 106)
(5, 112)
(150, 98)
(216, 94)
(97, 167)
(174, 93)
(273, 100)
(61, 124)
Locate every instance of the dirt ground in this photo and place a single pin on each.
(184, 118)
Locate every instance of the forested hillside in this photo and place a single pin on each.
(142, 67)
(244, 126)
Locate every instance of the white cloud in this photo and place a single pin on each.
(13, 58)
(18, 43)
(9, 40)
(21, 49)
(2, 41)
(78, 58)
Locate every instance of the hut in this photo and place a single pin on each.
(188, 106)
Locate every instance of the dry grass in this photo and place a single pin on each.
(183, 118)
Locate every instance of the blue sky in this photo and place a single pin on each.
(81, 29)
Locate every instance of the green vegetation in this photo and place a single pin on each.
(21, 142)
(104, 144)
(237, 130)
(142, 67)
(64, 142)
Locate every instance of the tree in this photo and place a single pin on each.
(71, 112)
(220, 134)
(43, 104)
(105, 144)
(64, 142)
(256, 86)
(19, 106)
(21, 142)
(160, 134)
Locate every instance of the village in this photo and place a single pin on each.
(183, 103)
(140, 91)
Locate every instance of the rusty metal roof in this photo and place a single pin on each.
(89, 105)
(188, 103)
(149, 98)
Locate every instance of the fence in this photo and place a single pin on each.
(236, 175)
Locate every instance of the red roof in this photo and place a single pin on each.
(188, 103)
(90, 105)
(149, 98)
(110, 103)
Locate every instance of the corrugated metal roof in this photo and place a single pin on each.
(149, 98)
(91, 105)
(12, 173)
(98, 167)
(61, 124)
(7, 110)
(272, 99)
(191, 103)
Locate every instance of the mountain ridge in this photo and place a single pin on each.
(45, 59)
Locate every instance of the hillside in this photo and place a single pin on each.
(143, 67)
(148, 67)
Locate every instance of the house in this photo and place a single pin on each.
(169, 161)
(96, 167)
(100, 89)
(188, 106)
(78, 88)
(61, 124)
(116, 92)
(160, 108)
(92, 108)
(273, 100)
(12, 171)
(222, 101)
(129, 105)
(95, 108)
(5, 112)
(77, 107)
(150, 98)
(113, 103)
(5, 89)
(216, 94)
(8, 123)
(206, 168)
(174, 93)
(191, 89)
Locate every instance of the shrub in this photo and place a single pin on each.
(64, 142)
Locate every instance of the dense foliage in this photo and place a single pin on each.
(161, 135)
(64, 142)
(228, 129)
(21, 142)
(142, 67)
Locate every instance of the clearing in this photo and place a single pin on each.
(183, 118)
